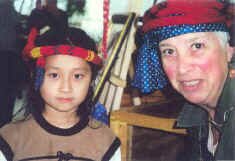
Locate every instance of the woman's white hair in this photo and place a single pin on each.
(223, 37)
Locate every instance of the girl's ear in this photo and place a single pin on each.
(230, 52)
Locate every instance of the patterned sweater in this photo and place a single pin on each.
(36, 139)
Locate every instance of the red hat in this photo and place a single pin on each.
(169, 19)
(177, 12)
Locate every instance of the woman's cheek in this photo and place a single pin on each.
(170, 71)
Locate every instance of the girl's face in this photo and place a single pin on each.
(66, 83)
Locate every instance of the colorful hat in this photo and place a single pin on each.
(169, 19)
(39, 53)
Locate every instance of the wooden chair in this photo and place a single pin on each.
(161, 116)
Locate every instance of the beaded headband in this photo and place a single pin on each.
(31, 51)
(40, 53)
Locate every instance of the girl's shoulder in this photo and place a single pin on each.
(11, 131)
(17, 125)
(98, 126)
(100, 132)
(102, 136)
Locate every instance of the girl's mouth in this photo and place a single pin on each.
(64, 100)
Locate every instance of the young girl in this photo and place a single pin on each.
(58, 126)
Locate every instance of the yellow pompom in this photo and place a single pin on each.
(35, 53)
(90, 56)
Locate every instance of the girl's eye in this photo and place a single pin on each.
(197, 46)
(78, 76)
(166, 52)
(53, 75)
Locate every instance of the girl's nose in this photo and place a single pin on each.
(65, 85)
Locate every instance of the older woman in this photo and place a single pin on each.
(191, 39)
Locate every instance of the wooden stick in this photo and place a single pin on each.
(116, 50)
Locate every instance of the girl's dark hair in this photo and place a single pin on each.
(75, 37)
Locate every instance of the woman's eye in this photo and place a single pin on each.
(167, 52)
(53, 75)
(197, 46)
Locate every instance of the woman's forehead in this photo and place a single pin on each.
(189, 37)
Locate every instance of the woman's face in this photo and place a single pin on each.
(196, 65)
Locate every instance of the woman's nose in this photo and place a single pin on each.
(184, 64)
